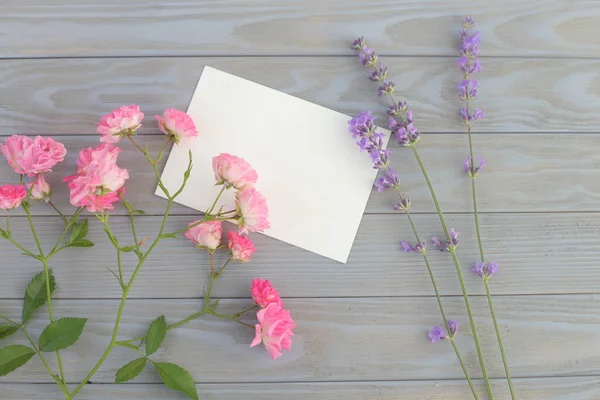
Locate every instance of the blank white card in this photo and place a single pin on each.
(313, 175)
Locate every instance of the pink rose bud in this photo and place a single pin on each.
(206, 235)
(11, 196)
(176, 125)
(252, 208)
(264, 294)
(32, 156)
(233, 171)
(274, 330)
(241, 247)
(40, 190)
(118, 123)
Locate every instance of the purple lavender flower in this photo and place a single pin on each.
(403, 204)
(448, 244)
(363, 130)
(358, 44)
(467, 90)
(398, 108)
(453, 327)
(378, 74)
(367, 57)
(387, 87)
(469, 22)
(436, 333)
(485, 269)
(407, 247)
(387, 181)
(474, 171)
(470, 118)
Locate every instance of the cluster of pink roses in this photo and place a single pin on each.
(30, 158)
(275, 324)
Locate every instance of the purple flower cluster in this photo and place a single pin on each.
(469, 64)
(419, 247)
(401, 123)
(453, 326)
(403, 204)
(472, 170)
(437, 333)
(449, 244)
(485, 269)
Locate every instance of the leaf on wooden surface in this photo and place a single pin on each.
(7, 330)
(36, 294)
(130, 370)
(156, 335)
(13, 357)
(61, 334)
(177, 378)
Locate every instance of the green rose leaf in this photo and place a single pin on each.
(128, 249)
(61, 334)
(4, 234)
(7, 330)
(13, 357)
(36, 295)
(130, 370)
(156, 335)
(82, 243)
(177, 378)
(79, 231)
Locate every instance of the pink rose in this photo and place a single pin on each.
(176, 124)
(99, 182)
(274, 330)
(264, 294)
(11, 196)
(32, 156)
(252, 208)
(40, 190)
(241, 247)
(233, 171)
(120, 122)
(205, 235)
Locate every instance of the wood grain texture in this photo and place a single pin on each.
(528, 389)
(337, 340)
(518, 95)
(526, 173)
(538, 253)
(30, 28)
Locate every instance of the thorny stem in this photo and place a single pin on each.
(465, 295)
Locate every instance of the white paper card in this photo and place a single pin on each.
(313, 175)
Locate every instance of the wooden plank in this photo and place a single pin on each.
(60, 96)
(542, 28)
(336, 340)
(527, 389)
(538, 253)
(526, 173)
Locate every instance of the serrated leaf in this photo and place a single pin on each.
(4, 234)
(156, 335)
(130, 370)
(13, 357)
(177, 378)
(36, 295)
(79, 231)
(61, 334)
(82, 243)
(7, 330)
(128, 249)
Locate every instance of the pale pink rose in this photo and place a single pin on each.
(14, 149)
(233, 171)
(176, 124)
(40, 190)
(264, 294)
(274, 330)
(206, 235)
(252, 208)
(120, 122)
(241, 247)
(43, 155)
(11, 196)
(99, 182)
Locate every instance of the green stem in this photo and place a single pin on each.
(35, 236)
(458, 272)
(62, 216)
(464, 368)
(223, 188)
(10, 321)
(120, 266)
(500, 343)
(72, 220)
(161, 152)
(153, 164)
(51, 315)
(131, 222)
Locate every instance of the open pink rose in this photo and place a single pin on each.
(32, 156)
(99, 182)
(241, 247)
(40, 190)
(176, 124)
(252, 208)
(264, 294)
(205, 235)
(233, 171)
(120, 122)
(11, 196)
(274, 330)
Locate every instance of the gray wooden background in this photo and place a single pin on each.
(361, 326)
